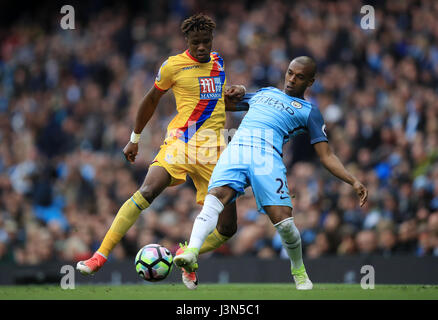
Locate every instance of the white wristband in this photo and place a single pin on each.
(135, 137)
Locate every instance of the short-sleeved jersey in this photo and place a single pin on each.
(274, 117)
(198, 89)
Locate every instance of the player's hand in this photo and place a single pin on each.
(361, 192)
(235, 93)
(130, 151)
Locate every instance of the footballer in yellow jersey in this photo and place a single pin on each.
(193, 141)
(194, 138)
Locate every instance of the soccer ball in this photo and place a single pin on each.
(153, 262)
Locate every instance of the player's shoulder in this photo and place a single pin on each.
(215, 55)
(217, 60)
(294, 101)
(301, 104)
(266, 90)
(174, 63)
(314, 112)
(175, 59)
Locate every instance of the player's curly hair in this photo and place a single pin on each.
(198, 22)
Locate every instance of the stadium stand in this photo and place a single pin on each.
(68, 100)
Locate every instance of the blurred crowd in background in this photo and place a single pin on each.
(68, 100)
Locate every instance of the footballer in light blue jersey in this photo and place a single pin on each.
(254, 158)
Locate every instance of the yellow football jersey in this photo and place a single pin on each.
(198, 89)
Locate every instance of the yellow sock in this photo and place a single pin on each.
(124, 219)
(213, 241)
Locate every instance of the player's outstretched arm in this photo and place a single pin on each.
(233, 95)
(147, 107)
(335, 166)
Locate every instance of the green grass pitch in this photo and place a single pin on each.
(152, 291)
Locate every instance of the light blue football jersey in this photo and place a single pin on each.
(274, 117)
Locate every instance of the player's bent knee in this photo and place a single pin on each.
(217, 192)
(278, 213)
(228, 229)
(224, 194)
(148, 193)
